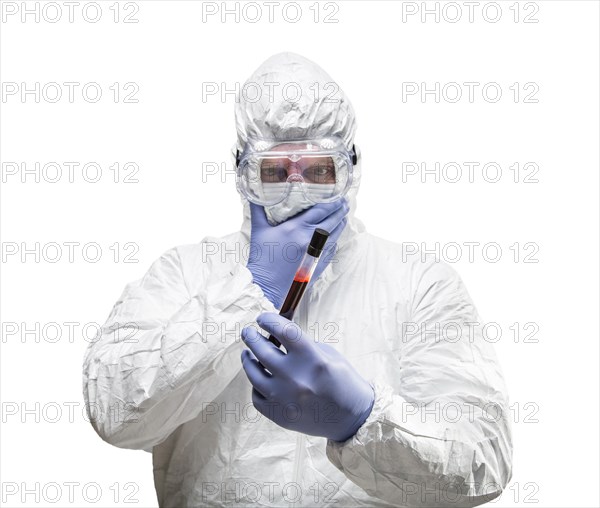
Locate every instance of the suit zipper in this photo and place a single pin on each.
(299, 448)
(301, 438)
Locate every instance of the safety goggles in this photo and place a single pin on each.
(268, 171)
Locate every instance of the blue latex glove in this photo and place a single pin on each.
(312, 389)
(276, 251)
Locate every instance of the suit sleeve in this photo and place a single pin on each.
(444, 438)
(165, 352)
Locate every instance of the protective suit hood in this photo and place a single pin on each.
(298, 100)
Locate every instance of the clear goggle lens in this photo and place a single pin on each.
(267, 178)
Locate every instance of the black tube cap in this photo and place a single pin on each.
(317, 242)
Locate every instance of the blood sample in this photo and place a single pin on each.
(302, 277)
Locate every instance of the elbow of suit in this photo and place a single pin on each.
(121, 427)
(117, 422)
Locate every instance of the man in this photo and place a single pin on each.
(385, 396)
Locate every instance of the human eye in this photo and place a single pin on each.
(321, 173)
(272, 172)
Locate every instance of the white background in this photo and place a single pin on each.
(171, 131)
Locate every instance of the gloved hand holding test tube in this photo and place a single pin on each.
(284, 380)
(302, 277)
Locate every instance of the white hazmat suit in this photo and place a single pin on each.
(438, 433)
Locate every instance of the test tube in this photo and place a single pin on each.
(303, 276)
